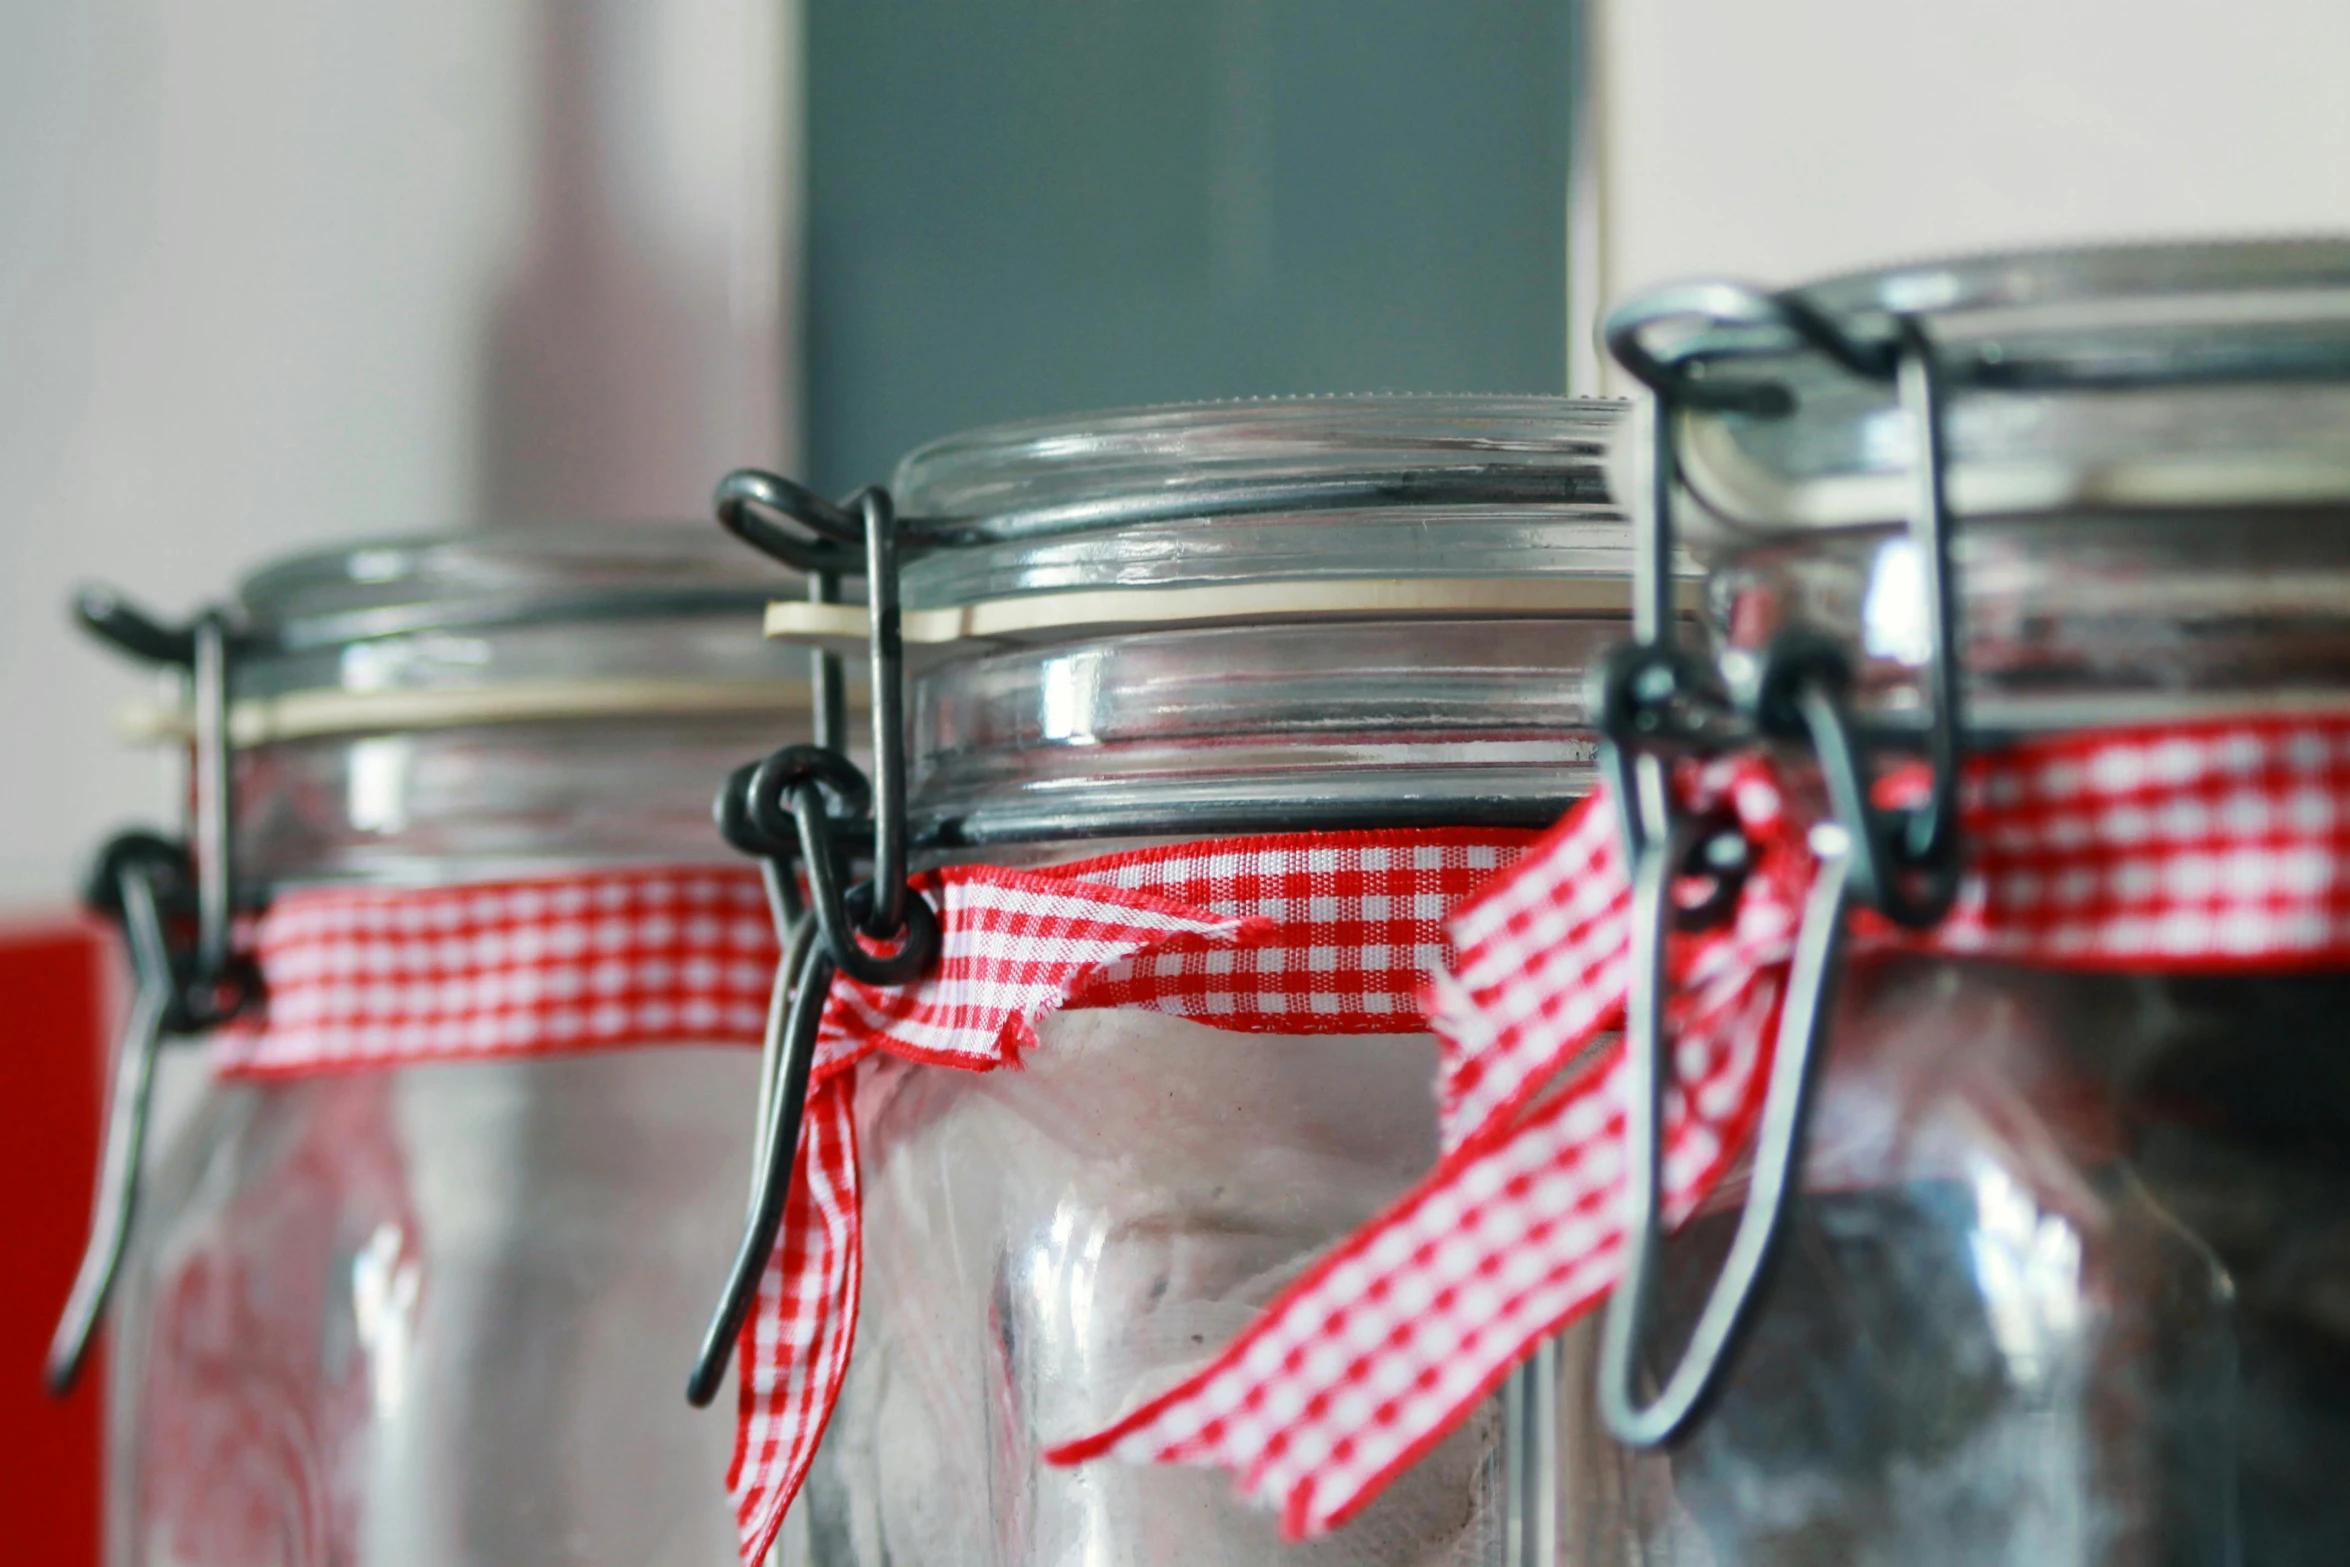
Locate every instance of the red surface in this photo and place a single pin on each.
(51, 1074)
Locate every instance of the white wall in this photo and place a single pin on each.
(1777, 140)
(275, 272)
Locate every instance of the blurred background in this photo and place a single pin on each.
(280, 272)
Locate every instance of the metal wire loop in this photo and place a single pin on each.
(870, 518)
(773, 808)
(1653, 696)
(197, 997)
(1906, 861)
(833, 537)
(217, 983)
(887, 696)
(1887, 874)
(839, 914)
(769, 787)
(789, 1056)
(1717, 857)
(1650, 705)
(1649, 699)
(804, 804)
(801, 806)
(730, 812)
(145, 884)
(1686, 1388)
(1724, 319)
(1928, 837)
(122, 625)
(176, 909)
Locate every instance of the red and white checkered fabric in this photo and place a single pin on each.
(2217, 847)
(1320, 933)
(377, 976)
(795, 1344)
(1299, 934)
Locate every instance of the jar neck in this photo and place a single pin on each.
(489, 803)
(2074, 620)
(1212, 732)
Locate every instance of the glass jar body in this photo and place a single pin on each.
(1262, 618)
(433, 1314)
(1045, 1248)
(441, 1312)
(2062, 1287)
(2061, 1284)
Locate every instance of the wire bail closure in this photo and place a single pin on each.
(176, 907)
(1657, 702)
(806, 810)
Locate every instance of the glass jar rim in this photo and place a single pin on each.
(1115, 467)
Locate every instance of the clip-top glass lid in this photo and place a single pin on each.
(659, 610)
(498, 577)
(2129, 377)
(1283, 489)
(1235, 617)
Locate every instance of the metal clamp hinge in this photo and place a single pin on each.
(1655, 703)
(808, 810)
(175, 902)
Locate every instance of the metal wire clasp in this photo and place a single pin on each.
(1656, 701)
(176, 908)
(807, 810)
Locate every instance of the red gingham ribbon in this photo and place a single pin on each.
(1295, 934)
(390, 976)
(2219, 847)
(1324, 933)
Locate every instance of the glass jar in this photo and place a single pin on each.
(439, 1312)
(1193, 625)
(2065, 1280)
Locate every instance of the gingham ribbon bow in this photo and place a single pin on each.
(2216, 847)
(1300, 934)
